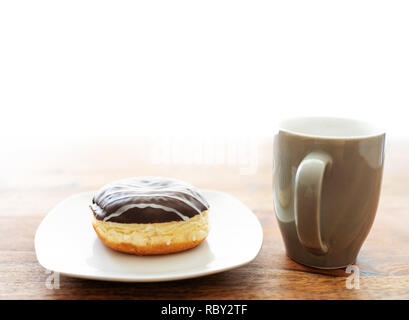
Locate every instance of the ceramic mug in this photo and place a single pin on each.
(327, 182)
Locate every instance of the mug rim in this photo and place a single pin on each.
(374, 131)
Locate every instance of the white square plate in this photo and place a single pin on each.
(65, 242)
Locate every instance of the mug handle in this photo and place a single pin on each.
(307, 206)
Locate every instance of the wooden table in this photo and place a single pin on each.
(36, 174)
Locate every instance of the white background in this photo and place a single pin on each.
(84, 68)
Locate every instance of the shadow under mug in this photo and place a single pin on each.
(327, 182)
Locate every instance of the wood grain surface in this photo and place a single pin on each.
(36, 174)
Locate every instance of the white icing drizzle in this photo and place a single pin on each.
(143, 206)
(134, 190)
(161, 195)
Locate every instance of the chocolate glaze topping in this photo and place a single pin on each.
(147, 200)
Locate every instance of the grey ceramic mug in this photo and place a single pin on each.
(327, 182)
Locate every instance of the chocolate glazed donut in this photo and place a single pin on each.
(150, 215)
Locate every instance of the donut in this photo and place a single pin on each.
(150, 216)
